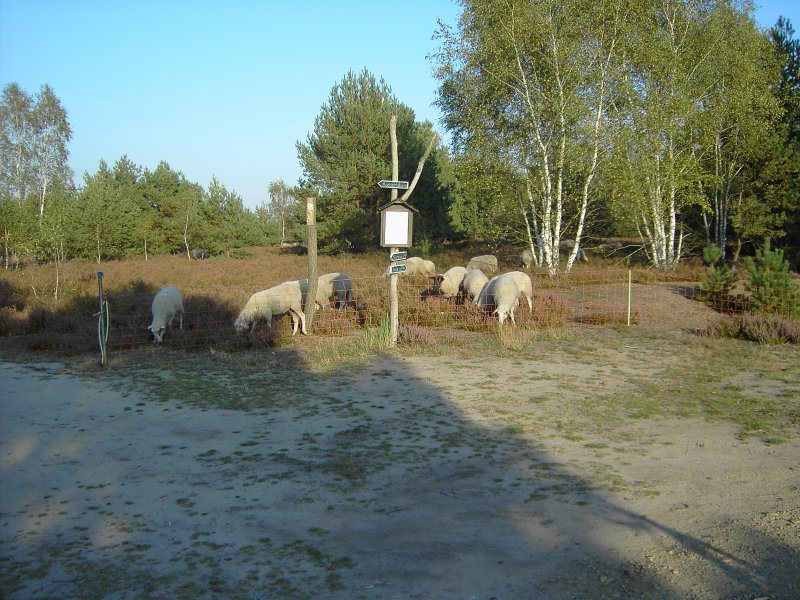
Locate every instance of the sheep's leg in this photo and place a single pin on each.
(294, 319)
(180, 320)
(302, 318)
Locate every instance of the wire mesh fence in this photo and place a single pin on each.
(616, 296)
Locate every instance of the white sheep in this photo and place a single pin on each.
(338, 286)
(486, 263)
(568, 245)
(167, 304)
(502, 295)
(473, 284)
(274, 302)
(525, 286)
(450, 283)
(415, 266)
(526, 258)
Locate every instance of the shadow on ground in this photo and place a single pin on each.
(282, 482)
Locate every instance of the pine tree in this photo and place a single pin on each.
(772, 288)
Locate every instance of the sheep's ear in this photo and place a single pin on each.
(149, 328)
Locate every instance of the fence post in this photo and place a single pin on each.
(311, 291)
(102, 321)
(629, 297)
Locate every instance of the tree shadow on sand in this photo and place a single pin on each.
(223, 480)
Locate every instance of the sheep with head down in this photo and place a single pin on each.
(449, 284)
(473, 284)
(282, 299)
(501, 297)
(486, 263)
(526, 258)
(415, 266)
(525, 286)
(331, 286)
(167, 304)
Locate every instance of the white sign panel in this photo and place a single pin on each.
(396, 233)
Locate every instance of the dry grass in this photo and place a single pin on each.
(44, 308)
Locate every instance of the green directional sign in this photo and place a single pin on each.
(397, 268)
(397, 185)
(401, 255)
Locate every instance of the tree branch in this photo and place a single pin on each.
(421, 164)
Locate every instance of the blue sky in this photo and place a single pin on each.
(222, 88)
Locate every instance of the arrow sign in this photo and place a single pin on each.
(401, 255)
(397, 185)
(397, 268)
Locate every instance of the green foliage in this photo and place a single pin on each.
(34, 134)
(349, 151)
(772, 287)
(718, 279)
(787, 50)
(282, 218)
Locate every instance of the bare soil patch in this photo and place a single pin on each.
(602, 463)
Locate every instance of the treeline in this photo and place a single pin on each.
(125, 211)
(120, 211)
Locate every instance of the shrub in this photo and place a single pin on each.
(415, 335)
(772, 288)
(717, 279)
(761, 329)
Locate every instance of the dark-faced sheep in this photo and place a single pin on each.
(331, 286)
(449, 284)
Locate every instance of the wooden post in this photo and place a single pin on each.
(311, 293)
(394, 317)
(102, 322)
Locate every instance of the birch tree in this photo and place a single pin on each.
(282, 207)
(16, 143)
(738, 111)
(695, 92)
(527, 84)
(52, 133)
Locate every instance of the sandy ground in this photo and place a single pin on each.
(390, 482)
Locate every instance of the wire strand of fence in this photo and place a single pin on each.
(602, 296)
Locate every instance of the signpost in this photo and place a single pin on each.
(397, 223)
(400, 255)
(392, 184)
(397, 268)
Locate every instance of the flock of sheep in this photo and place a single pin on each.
(499, 295)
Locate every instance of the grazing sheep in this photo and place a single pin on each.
(415, 266)
(473, 284)
(166, 305)
(526, 259)
(450, 284)
(486, 263)
(336, 286)
(274, 302)
(502, 295)
(568, 245)
(199, 254)
(525, 285)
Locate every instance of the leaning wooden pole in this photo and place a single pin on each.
(311, 292)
